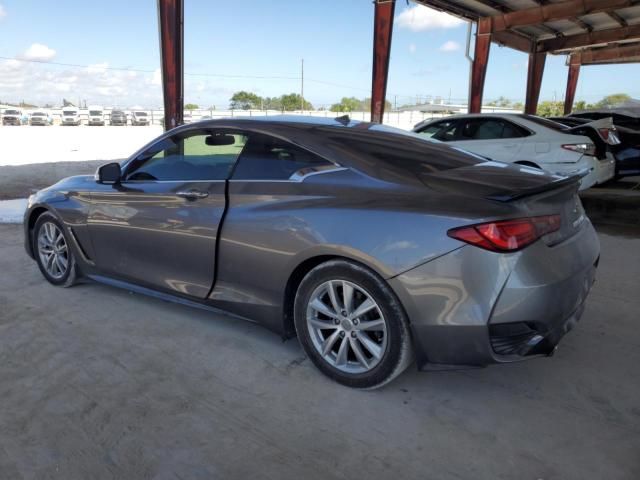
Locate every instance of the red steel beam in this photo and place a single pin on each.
(616, 34)
(479, 66)
(534, 81)
(623, 53)
(171, 25)
(572, 83)
(382, 34)
(549, 12)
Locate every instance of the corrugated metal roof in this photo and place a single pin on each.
(607, 15)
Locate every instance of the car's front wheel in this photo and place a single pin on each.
(53, 252)
(351, 325)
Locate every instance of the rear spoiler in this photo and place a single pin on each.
(528, 192)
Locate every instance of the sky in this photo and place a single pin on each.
(111, 54)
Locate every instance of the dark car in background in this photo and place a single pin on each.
(118, 117)
(627, 124)
(372, 245)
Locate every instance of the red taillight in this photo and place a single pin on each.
(507, 235)
(583, 148)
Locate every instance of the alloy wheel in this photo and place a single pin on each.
(346, 326)
(53, 250)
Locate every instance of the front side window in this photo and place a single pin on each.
(200, 155)
(443, 131)
(269, 158)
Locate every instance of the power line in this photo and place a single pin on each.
(140, 70)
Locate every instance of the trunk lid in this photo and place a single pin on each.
(497, 181)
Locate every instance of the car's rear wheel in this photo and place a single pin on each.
(351, 325)
(53, 252)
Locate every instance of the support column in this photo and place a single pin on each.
(382, 34)
(572, 82)
(534, 81)
(171, 26)
(479, 65)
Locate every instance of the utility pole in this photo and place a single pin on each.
(302, 85)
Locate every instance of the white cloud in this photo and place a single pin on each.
(3, 12)
(157, 77)
(97, 67)
(419, 18)
(37, 51)
(412, 48)
(450, 46)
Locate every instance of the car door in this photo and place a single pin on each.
(494, 138)
(159, 225)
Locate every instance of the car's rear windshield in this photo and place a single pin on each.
(11, 112)
(141, 114)
(68, 112)
(95, 112)
(38, 114)
(545, 122)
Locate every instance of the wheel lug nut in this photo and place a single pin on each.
(353, 334)
(336, 321)
(344, 313)
(355, 321)
(342, 334)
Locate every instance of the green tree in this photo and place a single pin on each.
(293, 101)
(580, 105)
(518, 106)
(243, 100)
(191, 106)
(366, 105)
(613, 100)
(272, 103)
(347, 104)
(550, 109)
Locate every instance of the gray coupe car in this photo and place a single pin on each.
(372, 245)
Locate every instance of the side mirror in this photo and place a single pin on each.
(109, 173)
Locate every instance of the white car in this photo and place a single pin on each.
(96, 115)
(139, 118)
(526, 140)
(70, 116)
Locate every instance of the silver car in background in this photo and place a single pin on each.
(372, 245)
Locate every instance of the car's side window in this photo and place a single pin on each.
(193, 155)
(269, 158)
(443, 131)
(489, 129)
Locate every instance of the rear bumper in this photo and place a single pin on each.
(472, 307)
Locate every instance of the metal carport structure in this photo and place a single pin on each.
(590, 32)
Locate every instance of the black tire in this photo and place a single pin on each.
(71, 274)
(398, 352)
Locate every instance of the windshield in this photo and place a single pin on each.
(38, 114)
(140, 114)
(69, 112)
(95, 112)
(11, 112)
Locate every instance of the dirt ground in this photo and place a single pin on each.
(99, 383)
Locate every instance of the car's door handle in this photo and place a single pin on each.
(192, 194)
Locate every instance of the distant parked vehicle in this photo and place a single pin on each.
(70, 116)
(627, 123)
(12, 116)
(118, 117)
(40, 118)
(526, 140)
(96, 115)
(139, 118)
